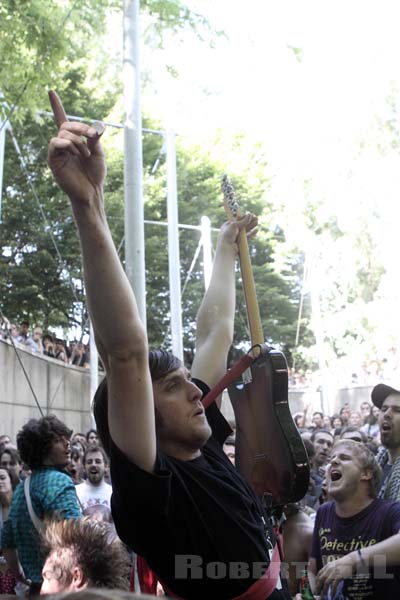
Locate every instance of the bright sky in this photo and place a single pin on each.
(318, 113)
(311, 113)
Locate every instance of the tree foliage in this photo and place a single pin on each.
(40, 266)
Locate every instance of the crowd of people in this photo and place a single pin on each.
(46, 344)
(157, 480)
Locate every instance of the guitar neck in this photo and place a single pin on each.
(253, 312)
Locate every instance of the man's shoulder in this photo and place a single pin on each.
(50, 478)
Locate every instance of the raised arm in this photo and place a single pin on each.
(216, 314)
(77, 162)
(381, 555)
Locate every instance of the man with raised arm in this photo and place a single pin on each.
(177, 499)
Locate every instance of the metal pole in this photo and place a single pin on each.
(3, 129)
(94, 372)
(173, 248)
(206, 242)
(133, 162)
(317, 325)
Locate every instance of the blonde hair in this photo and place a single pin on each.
(367, 461)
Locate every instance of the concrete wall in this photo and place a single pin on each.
(61, 390)
(65, 391)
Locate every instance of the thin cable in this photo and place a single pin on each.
(188, 276)
(21, 363)
(29, 79)
(48, 227)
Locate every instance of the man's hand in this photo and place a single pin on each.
(77, 164)
(334, 572)
(230, 230)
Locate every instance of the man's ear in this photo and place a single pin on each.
(79, 581)
(367, 475)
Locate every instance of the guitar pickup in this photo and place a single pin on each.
(247, 377)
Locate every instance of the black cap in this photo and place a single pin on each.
(381, 392)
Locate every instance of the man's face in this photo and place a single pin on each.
(352, 435)
(181, 422)
(75, 466)
(23, 328)
(59, 454)
(345, 413)
(37, 334)
(344, 473)
(323, 443)
(95, 467)
(389, 421)
(355, 419)
(55, 571)
(52, 577)
(317, 420)
(11, 465)
(92, 438)
(365, 409)
(4, 442)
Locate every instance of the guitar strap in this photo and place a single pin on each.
(230, 376)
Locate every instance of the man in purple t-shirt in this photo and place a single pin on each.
(356, 545)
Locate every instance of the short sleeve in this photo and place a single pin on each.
(63, 499)
(392, 520)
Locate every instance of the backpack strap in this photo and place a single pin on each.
(38, 523)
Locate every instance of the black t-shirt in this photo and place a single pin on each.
(198, 523)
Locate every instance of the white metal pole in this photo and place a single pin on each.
(94, 372)
(207, 256)
(173, 248)
(133, 161)
(3, 129)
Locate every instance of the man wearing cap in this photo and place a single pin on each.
(387, 399)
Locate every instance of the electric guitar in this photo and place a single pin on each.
(270, 453)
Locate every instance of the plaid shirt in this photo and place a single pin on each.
(52, 491)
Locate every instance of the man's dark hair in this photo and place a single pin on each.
(351, 429)
(89, 432)
(25, 322)
(95, 448)
(161, 363)
(318, 432)
(36, 438)
(317, 412)
(92, 546)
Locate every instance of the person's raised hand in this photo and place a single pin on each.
(75, 156)
(230, 230)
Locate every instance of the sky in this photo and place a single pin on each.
(311, 109)
(312, 81)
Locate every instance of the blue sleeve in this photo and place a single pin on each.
(63, 499)
(7, 535)
(392, 520)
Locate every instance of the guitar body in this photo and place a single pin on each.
(270, 453)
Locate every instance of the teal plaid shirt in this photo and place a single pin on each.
(52, 491)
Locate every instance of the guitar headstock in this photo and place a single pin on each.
(231, 205)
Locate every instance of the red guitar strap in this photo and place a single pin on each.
(229, 377)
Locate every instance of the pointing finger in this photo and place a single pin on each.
(60, 115)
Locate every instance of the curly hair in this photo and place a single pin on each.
(36, 438)
(161, 363)
(90, 545)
